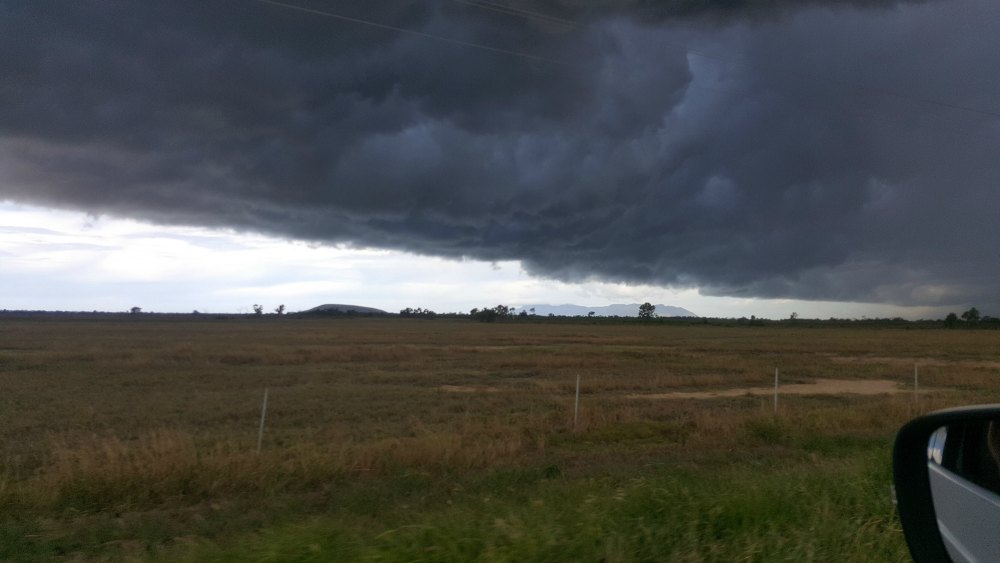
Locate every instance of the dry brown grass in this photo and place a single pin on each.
(102, 473)
(370, 379)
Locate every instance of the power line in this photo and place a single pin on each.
(931, 101)
(432, 36)
(519, 12)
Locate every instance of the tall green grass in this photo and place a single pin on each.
(752, 509)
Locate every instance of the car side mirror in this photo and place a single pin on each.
(946, 469)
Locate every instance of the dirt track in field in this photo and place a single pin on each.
(910, 361)
(819, 387)
(468, 389)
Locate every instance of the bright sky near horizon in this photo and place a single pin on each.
(67, 260)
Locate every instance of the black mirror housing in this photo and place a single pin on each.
(914, 498)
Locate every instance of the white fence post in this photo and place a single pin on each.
(775, 390)
(576, 406)
(263, 415)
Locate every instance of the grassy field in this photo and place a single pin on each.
(451, 440)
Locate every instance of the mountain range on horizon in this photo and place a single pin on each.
(618, 309)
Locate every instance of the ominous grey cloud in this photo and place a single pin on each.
(838, 150)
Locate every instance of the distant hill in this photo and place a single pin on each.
(620, 310)
(340, 309)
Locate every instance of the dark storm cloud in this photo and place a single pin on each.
(823, 150)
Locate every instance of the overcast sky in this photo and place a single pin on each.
(836, 158)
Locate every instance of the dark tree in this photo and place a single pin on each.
(490, 314)
(951, 320)
(647, 310)
(425, 313)
(971, 316)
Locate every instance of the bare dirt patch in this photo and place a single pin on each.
(818, 387)
(903, 361)
(468, 389)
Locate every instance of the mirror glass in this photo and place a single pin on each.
(970, 450)
(963, 464)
